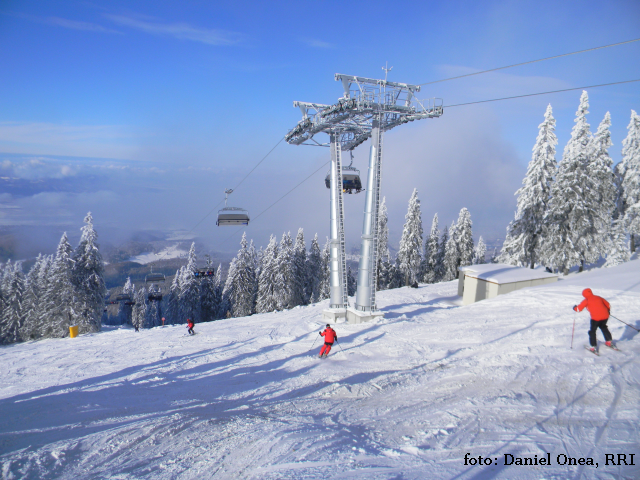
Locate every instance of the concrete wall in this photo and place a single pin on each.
(473, 289)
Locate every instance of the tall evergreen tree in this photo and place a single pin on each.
(618, 251)
(173, 299)
(314, 271)
(440, 270)
(570, 226)
(88, 278)
(125, 311)
(525, 231)
(31, 326)
(630, 184)
(284, 279)
(267, 298)
(13, 313)
(352, 284)
(325, 291)
(410, 252)
(480, 253)
(139, 310)
(451, 255)
(189, 298)
(431, 248)
(464, 239)
(299, 264)
(59, 300)
(240, 286)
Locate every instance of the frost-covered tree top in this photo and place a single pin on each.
(631, 175)
(410, 251)
(464, 238)
(383, 232)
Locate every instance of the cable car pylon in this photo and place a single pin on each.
(368, 108)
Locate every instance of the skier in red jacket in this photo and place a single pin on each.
(329, 335)
(599, 309)
(190, 326)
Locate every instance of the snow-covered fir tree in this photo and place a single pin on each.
(451, 255)
(31, 325)
(240, 285)
(284, 277)
(172, 310)
(60, 310)
(299, 264)
(267, 300)
(431, 248)
(189, 298)
(13, 313)
(325, 291)
(139, 310)
(410, 251)
(464, 239)
(570, 231)
(480, 252)
(440, 271)
(314, 271)
(125, 311)
(618, 251)
(630, 183)
(88, 278)
(384, 255)
(352, 284)
(524, 233)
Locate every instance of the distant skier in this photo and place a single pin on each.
(599, 309)
(190, 326)
(329, 335)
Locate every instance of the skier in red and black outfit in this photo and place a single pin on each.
(599, 309)
(190, 326)
(329, 335)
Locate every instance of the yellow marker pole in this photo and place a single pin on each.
(73, 331)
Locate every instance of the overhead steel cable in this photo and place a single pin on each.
(531, 61)
(274, 203)
(542, 93)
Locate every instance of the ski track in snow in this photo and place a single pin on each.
(405, 397)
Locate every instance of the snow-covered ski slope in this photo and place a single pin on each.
(407, 397)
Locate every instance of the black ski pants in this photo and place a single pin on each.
(595, 325)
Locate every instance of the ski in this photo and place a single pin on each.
(612, 347)
(588, 349)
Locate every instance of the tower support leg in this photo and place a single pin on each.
(365, 308)
(338, 260)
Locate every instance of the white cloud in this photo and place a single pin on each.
(180, 30)
(78, 25)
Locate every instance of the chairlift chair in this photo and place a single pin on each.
(350, 178)
(154, 277)
(155, 296)
(204, 272)
(123, 297)
(230, 216)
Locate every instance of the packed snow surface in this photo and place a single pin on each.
(404, 397)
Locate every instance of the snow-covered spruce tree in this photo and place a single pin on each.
(352, 284)
(570, 236)
(32, 295)
(240, 285)
(618, 251)
(125, 311)
(480, 253)
(440, 271)
(284, 277)
(172, 300)
(210, 304)
(631, 180)
(431, 248)
(298, 296)
(189, 298)
(324, 284)
(13, 313)
(153, 312)
(602, 194)
(139, 310)
(267, 301)
(410, 252)
(59, 299)
(451, 255)
(464, 239)
(524, 233)
(88, 278)
(395, 275)
(384, 256)
(314, 271)
(219, 286)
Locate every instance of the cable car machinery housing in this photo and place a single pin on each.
(368, 108)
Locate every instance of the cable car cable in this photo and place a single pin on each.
(531, 61)
(542, 93)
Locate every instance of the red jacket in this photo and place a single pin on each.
(598, 307)
(190, 323)
(329, 335)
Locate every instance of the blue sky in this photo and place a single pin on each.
(144, 111)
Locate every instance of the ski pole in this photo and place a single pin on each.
(340, 347)
(314, 342)
(625, 323)
(574, 328)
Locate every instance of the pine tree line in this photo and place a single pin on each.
(58, 291)
(580, 209)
